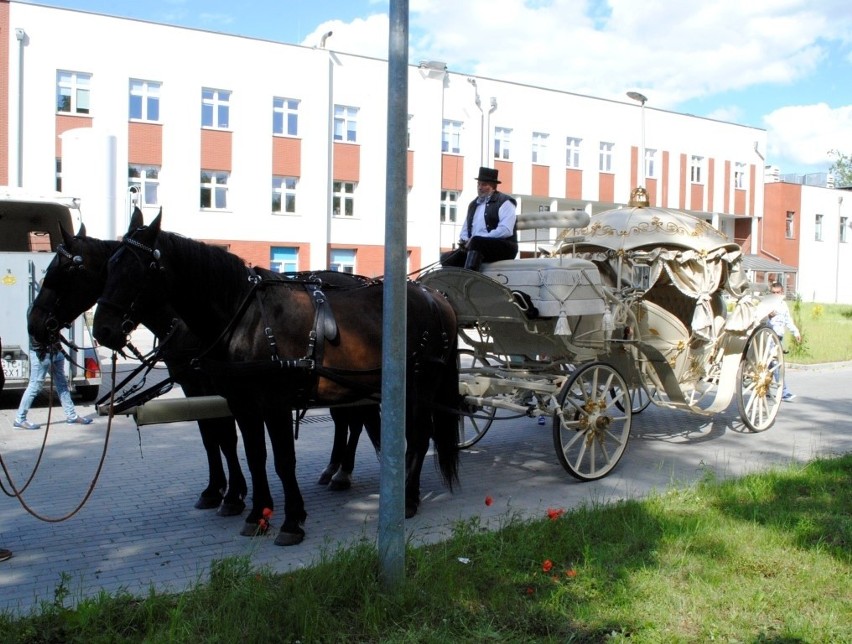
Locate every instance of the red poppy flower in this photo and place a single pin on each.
(267, 513)
(547, 565)
(554, 513)
(571, 573)
(530, 590)
(488, 500)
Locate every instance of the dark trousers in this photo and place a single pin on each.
(492, 250)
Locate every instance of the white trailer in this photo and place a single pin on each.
(29, 236)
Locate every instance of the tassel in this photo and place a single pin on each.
(562, 327)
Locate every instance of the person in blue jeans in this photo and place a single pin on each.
(44, 360)
(781, 321)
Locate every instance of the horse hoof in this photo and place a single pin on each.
(208, 502)
(340, 481)
(252, 530)
(327, 473)
(290, 538)
(230, 508)
(410, 509)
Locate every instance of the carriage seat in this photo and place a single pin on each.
(554, 284)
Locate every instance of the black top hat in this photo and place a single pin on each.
(488, 174)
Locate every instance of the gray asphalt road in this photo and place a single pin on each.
(139, 529)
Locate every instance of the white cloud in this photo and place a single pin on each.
(806, 133)
(363, 36)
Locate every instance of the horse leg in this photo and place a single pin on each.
(279, 424)
(417, 431)
(338, 447)
(342, 480)
(373, 425)
(211, 496)
(234, 502)
(254, 441)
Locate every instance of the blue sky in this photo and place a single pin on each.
(781, 65)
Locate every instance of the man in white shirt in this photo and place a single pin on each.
(488, 233)
(780, 320)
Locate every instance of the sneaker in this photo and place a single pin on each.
(788, 397)
(25, 424)
(5, 554)
(79, 421)
(541, 420)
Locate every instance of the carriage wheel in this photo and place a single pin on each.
(761, 380)
(590, 431)
(640, 398)
(473, 428)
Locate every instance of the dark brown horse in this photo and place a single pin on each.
(72, 283)
(275, 343)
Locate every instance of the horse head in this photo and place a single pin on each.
(71, 284)
(130, 284)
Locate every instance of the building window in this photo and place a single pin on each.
(605, 164)
(343, 199)
(59, 174)
(284, 195)
(449, 206)
(451, 137)
(342, 261)
(788, 227)
(502, 143)
(144, 100)
(650, 164)
(73, 92)
(214, 190)
(345, 123)
(572, 155)
(285, 116)
(215, 108)
(818, 228)
(283, 259)
(739, 175)
(696, 167)
(539, 147)
(844, 228)
(146, 180)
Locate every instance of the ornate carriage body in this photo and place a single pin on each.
(627, 307)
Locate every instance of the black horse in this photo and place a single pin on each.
(72, 283)
(275, 343)
(348, 423)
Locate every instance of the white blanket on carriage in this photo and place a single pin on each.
(555, 285)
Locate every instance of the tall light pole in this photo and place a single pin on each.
(330, 153)
(641, 99)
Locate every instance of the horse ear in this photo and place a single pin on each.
(136, 220)
(155, 225)
(82, 231)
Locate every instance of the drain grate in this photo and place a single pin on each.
(309, 420)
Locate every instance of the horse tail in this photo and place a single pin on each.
(445, 417)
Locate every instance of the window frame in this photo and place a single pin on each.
(451, 132)
(148, 95)
(605, 155)
(503, 143)
(341, 196)
(217, 102)
(343, 258)
(844, 230)
(696, 169)
(143, 182)
(77, 84)
(449, 205)
(818, 221)
(790, 225)
(345, 116)
(288, 259)
(286, 194)
(287, 111)
(573, 149)
(215, 189)
(539, 148)
(650, 163)
(739, 175)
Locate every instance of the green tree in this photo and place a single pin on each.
(841, 168)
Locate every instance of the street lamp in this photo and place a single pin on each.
(641, 99)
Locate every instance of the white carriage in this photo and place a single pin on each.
(628, 307)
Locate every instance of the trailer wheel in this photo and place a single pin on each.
(474, 420)
(760, 380)
(592, 426)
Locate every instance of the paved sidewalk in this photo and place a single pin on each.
(139, 528)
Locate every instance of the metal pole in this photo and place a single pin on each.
(21, 36)
(330, 185)
(394, 322)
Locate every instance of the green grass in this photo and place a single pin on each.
(766, 558)
(826, 333)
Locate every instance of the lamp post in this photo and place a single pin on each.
(330, 187)
(641, 99)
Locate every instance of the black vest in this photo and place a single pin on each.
(492, 217)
